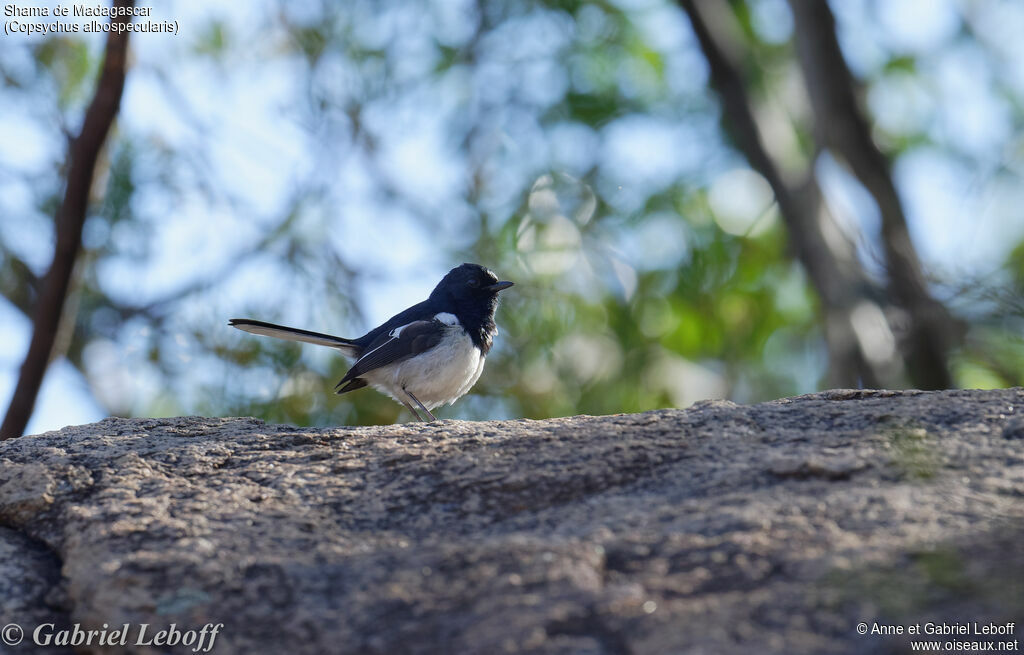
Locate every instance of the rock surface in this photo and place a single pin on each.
(772, 528)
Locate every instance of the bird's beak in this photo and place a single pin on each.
(498, 286)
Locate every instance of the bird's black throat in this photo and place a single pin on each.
(477, 319)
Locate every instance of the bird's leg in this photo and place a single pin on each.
(413, 410)
(416, 400)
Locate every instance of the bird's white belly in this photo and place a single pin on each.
(441, 375)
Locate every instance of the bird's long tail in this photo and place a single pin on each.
(347, 346)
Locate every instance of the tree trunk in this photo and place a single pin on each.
(84, 152)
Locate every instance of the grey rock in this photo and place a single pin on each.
(30, 592)
(1014, 428)
(772, 528)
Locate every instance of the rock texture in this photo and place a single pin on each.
(772, 528)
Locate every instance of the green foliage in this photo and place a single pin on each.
(68, 63)
(214, 41)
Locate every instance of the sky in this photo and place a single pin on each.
(962, 217)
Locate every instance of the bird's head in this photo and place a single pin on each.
(469, 285)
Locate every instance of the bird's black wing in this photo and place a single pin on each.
(397, 345)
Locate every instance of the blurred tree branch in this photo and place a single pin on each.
(53, 290)
(830, 260)
(841, 127)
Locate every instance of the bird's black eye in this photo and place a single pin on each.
(473, 283)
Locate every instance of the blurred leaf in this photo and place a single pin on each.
(214, 40)
(70, 65)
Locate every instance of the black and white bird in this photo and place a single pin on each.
(428, 355)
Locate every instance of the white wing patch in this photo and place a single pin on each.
(446, 318)
(393, 334)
